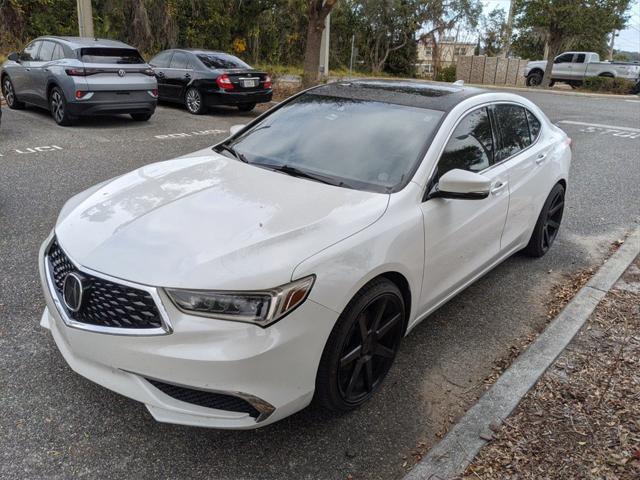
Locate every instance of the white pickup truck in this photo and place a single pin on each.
(574, 67)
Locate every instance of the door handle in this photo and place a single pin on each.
(28, 69)
(160, 74)
(498, 186)
(541, 158)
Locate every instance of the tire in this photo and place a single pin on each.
(548, 224)
(534, 79)
(9, 94)
(246, 107)
(194, 102)
(360, 352)
(58, 108)
(141, 117)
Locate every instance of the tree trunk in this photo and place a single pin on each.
(318, 11)
(555, 46)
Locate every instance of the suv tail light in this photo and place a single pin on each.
(224, 82)
(80, 72)
(80, 94)
(267, 82)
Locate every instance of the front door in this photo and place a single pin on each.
(21, 75)
(562, 66)
(462, 237)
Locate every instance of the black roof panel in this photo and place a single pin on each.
(414, 93)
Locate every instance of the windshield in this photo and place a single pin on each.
(111, 55)
(369, 145)
(221, 60)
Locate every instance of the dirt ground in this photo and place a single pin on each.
(582, 419)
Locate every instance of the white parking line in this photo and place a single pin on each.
(633, 101)
(599, 125)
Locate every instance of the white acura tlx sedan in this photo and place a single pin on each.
(231, 287)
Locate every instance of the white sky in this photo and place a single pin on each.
(629, 38)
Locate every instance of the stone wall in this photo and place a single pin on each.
(480, 69)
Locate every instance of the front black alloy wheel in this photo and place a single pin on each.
(534, 79)
(361, 347)
(58, 107)
(10, 94)
(193, 101)
(548, 224)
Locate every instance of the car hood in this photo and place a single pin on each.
(210, 222)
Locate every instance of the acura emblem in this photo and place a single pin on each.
(72, 291)
(121, 73)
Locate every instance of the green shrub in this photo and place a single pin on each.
(608, 85)
(447, 74)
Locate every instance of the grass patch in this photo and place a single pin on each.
(619, 86)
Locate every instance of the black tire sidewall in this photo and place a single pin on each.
(327, 391)
(534, 247)
(66, 118)
(534, 75)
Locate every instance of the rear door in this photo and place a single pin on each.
(523, 151)
(562, 66)
(178, 75)
(160, 64)
(118, 71)
(579, 66)
(462, 237)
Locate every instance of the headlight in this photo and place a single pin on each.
(262, 307)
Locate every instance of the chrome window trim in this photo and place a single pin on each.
(165, 329)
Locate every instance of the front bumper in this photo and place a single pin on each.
(274, 368)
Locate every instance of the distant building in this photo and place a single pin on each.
(449, 49)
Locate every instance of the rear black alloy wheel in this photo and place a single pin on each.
(362, 347)
(193, 101)
(548, 224)
(10, 95)
(58, 106)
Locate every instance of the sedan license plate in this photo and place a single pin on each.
(249, 83)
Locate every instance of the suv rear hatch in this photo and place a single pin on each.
(119, 70)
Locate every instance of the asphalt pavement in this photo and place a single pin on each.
(56, 424)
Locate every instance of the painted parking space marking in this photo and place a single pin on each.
(189, 134)
(27, 150)
(601, 129)
(633, 101)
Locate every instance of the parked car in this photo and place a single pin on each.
(203, 78)
(574, 67)
(74, 77)
(229, 287)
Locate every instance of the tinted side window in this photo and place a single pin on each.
(46, 51)
(471, 145)
(161, 60)
(179, 60)
(580, 58)
(514, 129)
(566, 58)
(30, 52)
(534, 126)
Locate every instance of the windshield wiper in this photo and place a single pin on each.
(296, 172)
(233, 152)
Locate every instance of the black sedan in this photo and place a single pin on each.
(203, 78)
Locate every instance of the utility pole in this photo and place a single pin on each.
(353, 42)
(508, 30)
(324, 48)
(85, 18)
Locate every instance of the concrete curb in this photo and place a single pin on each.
(451, 456)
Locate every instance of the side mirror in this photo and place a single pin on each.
(14, 57)
(461, 184)
(236, 128)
